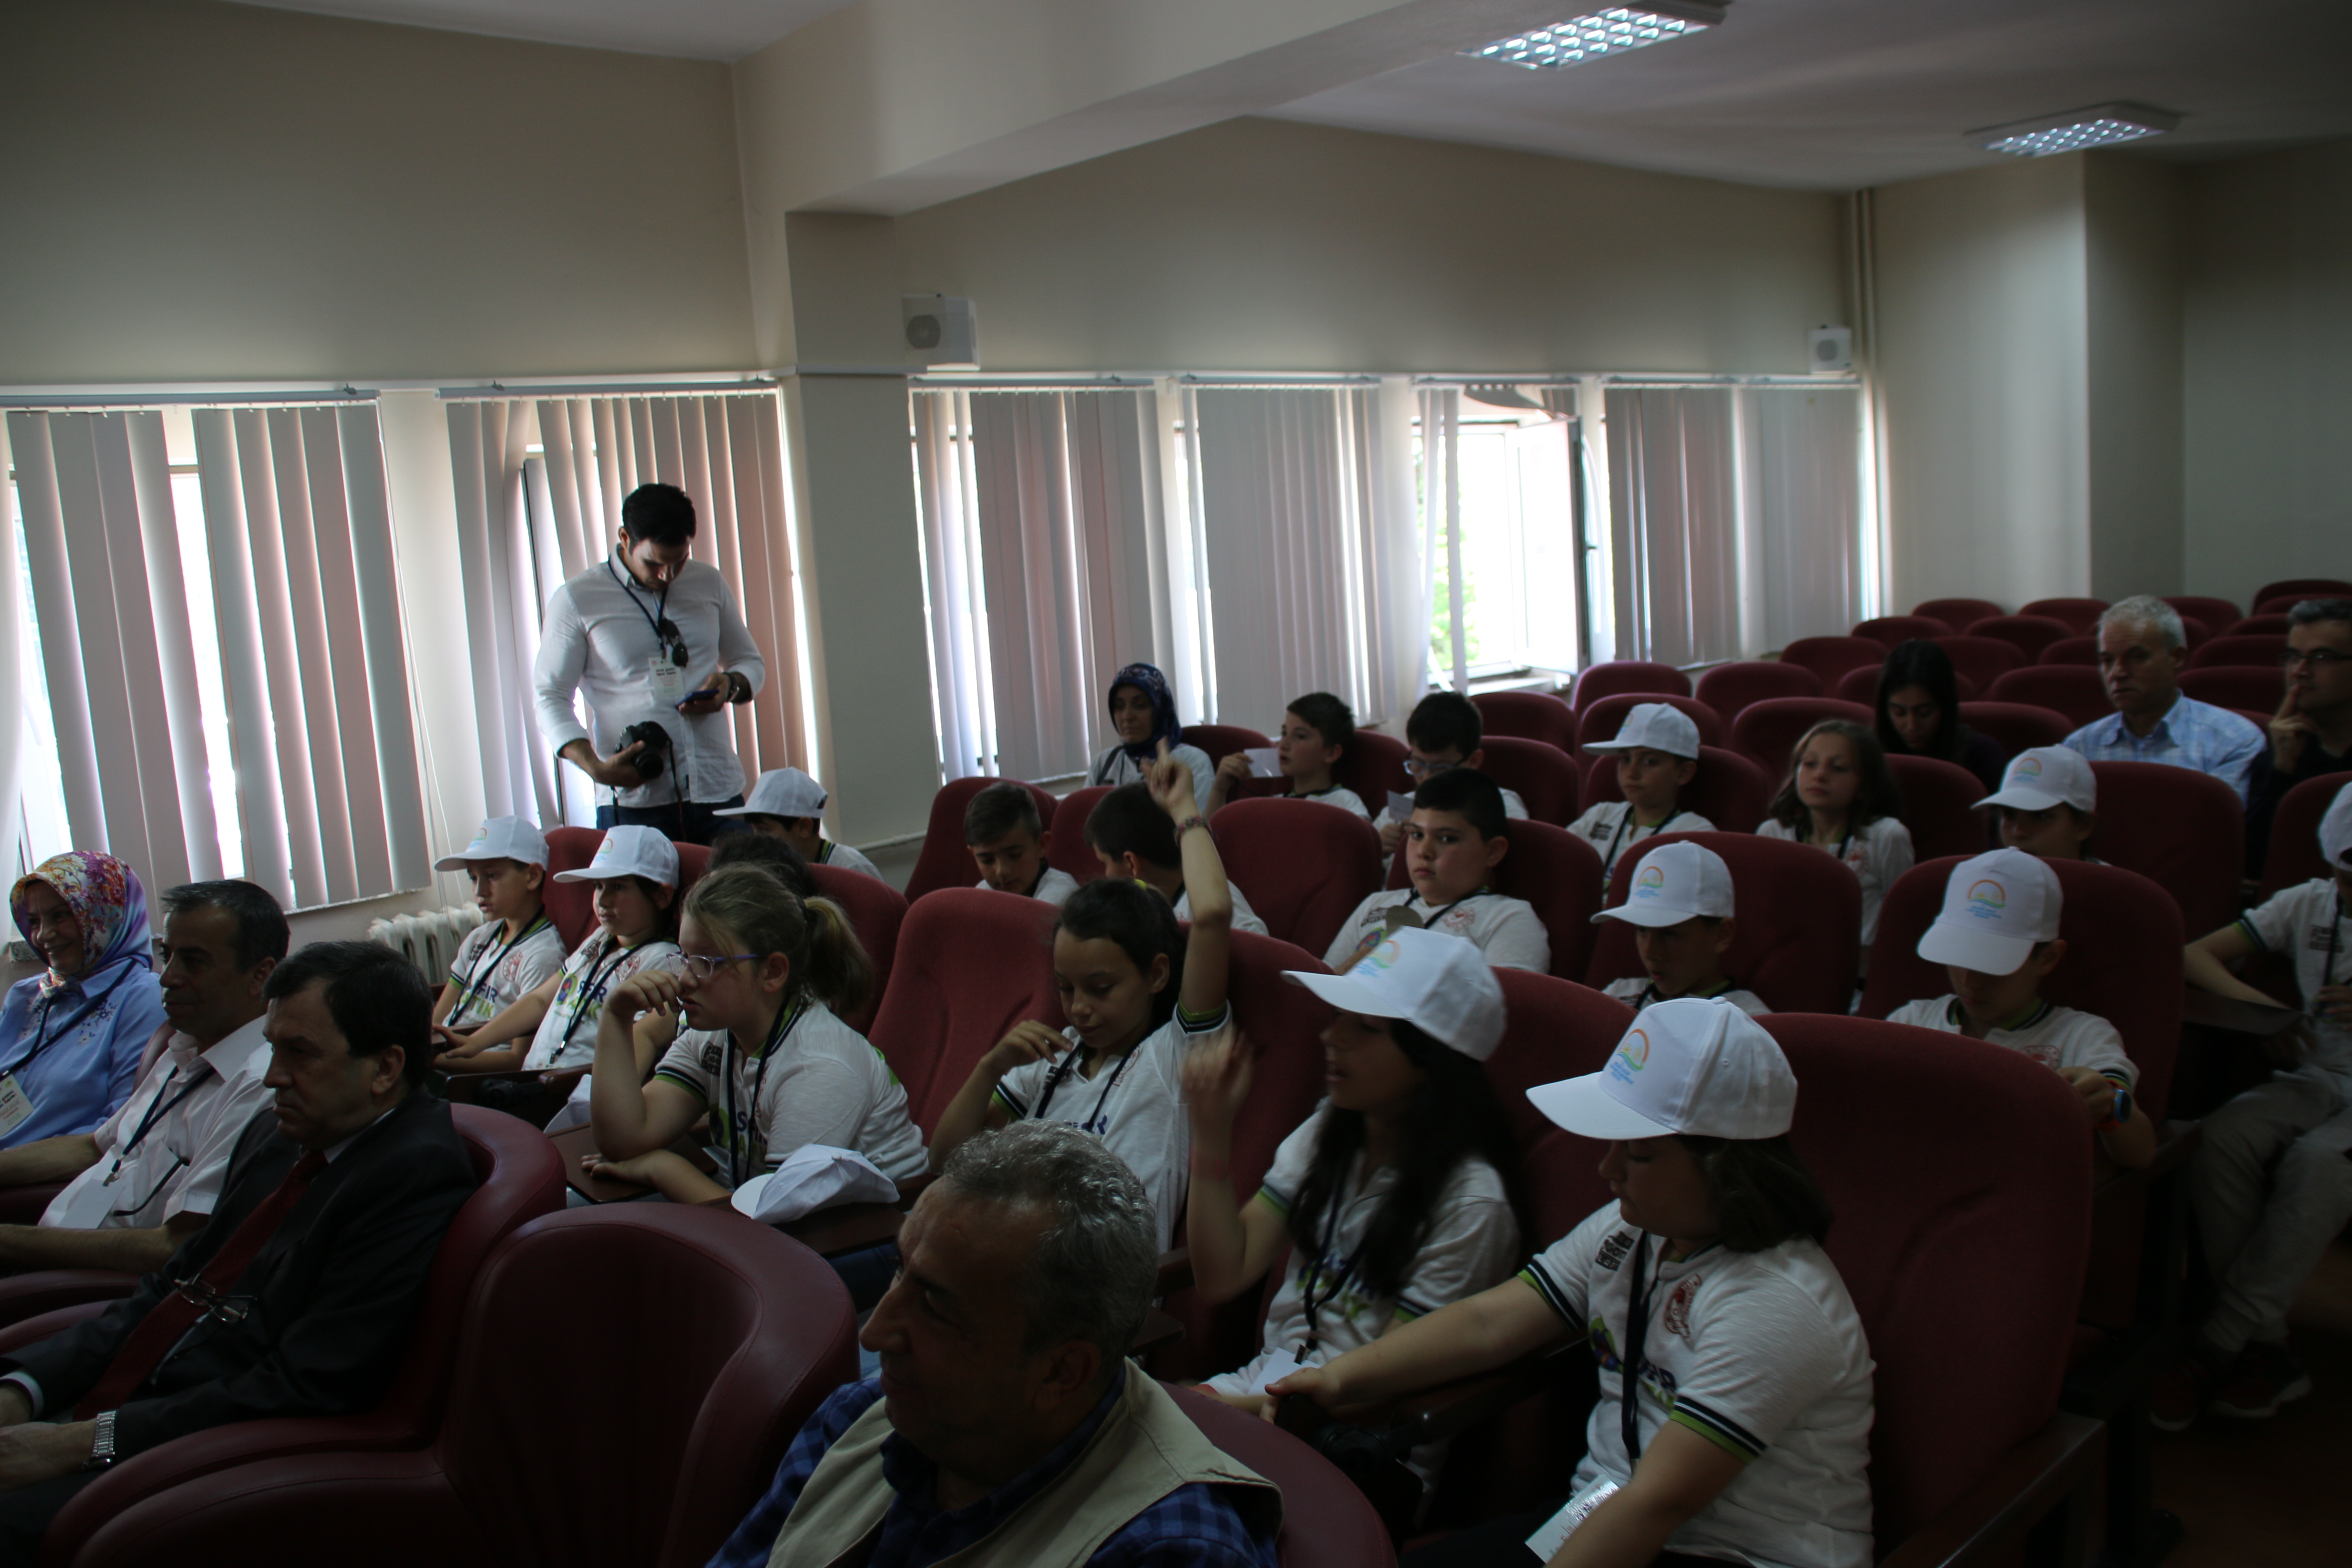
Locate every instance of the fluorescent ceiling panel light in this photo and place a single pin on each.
(2101, 125)
(1600, 34)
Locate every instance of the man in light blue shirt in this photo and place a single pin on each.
(2140, 644)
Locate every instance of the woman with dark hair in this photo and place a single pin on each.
(1400, 1193)
(1919, 713)
(1143, 715)
(1745, 1431)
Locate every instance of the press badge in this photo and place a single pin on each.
(1561, 1525)
(15, 1105)
(667, 681)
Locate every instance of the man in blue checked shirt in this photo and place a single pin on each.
(2140, 644)
(1007, 1425)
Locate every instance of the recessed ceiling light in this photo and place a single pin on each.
(1600, 34)
(2101, 125)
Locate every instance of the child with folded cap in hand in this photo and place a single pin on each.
(1742, 1431)
(1997, 939)
(1680, 908)
(2048, 802)
(1657, 757)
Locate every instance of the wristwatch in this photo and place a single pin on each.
(739, 687)
(101, 1442)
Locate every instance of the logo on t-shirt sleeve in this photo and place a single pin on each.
(1613, 1250)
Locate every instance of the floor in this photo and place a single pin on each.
(2270, 1494)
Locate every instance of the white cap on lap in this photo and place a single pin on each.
(1439, 984)
(1693, 1066)
(2045, 777)
(1995, 907)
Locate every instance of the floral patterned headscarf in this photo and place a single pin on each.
(106, 899)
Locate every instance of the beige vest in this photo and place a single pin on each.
(1145, 1449)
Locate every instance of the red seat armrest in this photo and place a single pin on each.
(2059, 1467)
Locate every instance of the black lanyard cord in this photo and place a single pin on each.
(743, 1139)
(1314, 1272)
(1624, 824)
(592, 990)
(41, 1040)
(656, 617)
(474, 982)
(157, 1109)
(1637, 1334)
(1063, 1069)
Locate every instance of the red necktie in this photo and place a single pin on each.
(177, 1313)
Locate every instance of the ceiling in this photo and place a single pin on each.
(1823, 94)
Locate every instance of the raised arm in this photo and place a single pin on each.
(1233, 1245)
(1208, 952)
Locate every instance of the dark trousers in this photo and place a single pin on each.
(1503, 1543)
(25, 1515)
(688, 822)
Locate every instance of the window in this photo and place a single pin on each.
(1518, 548)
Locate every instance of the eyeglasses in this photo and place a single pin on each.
(703, 965)
(2319, 659)
(1422, 770)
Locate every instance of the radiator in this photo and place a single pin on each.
(428, 941)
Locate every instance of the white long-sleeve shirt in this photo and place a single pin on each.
(599, 640)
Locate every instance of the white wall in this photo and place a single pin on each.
(2132, 226)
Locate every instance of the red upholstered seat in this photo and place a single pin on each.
(2194, 633)
(1797, 965)
(693, 860)
(571, 905)
(1939, 807)
(522, 1180)
(1303, 866)
(1544, 777)
(944, 861)
(1729, 687)
(754, 1331)
(2276, 624)
(2289, 592)
(1833, 658)
(1981, 660)
(1528, 716)
(1861, 686)
(1728, 790)
(1894, 629)
(2031, 634)
(2292, 857)
(2072, 650)
(1373, 765)
(1621, 675)
(876, 912)
(2018, 726)
(971, 964)
(1069, 851)
(1764, 732)
(2249, 687)
(2261, 651)
(2182, 829)
(2070, 690)
(2219, 614)
(1221, 740)
(1556, 872)
(1326, 1521)
(1957, 613)
(2080, 615)
(1607, 715)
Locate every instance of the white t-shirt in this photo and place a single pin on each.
(1135, 1105)
(567, 1035)
(1471, 1243)
(828, 853)
(2309, 924)
(166, 1152)
(1877, 856)
(1052, 887)
(2054, 1037)
(821, 1083)
(1344, 798)
(1637, 993)
(1245, 917)
(1115, 767)
(1611, 829)
(1760, 1353)
(1505, 929)
(492, 973)
(1512, 804)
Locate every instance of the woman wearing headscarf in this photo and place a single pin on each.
(71, 1037)
(1143, 714)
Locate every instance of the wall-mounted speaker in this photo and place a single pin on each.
(1829, 350)
(942, 332)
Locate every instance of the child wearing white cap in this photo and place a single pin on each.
(636, 873)
(787, 804)
(2048, 803)
(1457, 836)
(1749, 1436)
(1657, 757)
(1395, 1197)
(2272, 1186)
(1997, 939)
(516, 947)
(1680, 907)
(1839, 796)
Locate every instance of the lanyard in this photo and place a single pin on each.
(742, 1140)
(2335, 939)
(592, 990)
(1637, 1333)
(1307, 1281)
(157, 1109)
(656, 616)
(479, 978)
(1062, 1069)
(1625, 823)
(41, 1040)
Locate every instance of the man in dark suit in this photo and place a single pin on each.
(297, 1296)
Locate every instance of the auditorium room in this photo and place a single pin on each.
(1327, 782)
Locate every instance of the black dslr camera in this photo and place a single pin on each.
(655, 740)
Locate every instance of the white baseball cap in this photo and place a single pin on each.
(780, 792)
(2335, 830)
(1690, 1065)
(1671, 884)
(629, 851)
(2045, 777)
(1996, 907)
(1438, 983)
(1657, 726)
(500, 839)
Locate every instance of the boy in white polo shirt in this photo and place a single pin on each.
(1455, 839)
(2272, 1184)
(2048, 803)
(787, 804)
(1008, 842)
(1680, 908)
(1657, 756)
(1997, 938)
(516, 947)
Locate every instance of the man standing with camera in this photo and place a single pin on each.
(656, 644)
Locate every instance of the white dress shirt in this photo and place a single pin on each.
(599, 640)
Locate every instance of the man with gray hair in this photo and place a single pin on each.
(1007, 1425)
(2312, 733)
(2140, 645)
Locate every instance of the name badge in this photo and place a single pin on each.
(1556, 1529)
(667, 681)
(15, 1105)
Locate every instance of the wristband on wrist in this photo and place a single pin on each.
(2119, 1113)
(1190, 822)
(101, 1442)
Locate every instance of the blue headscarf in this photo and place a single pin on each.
(1146, 678)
